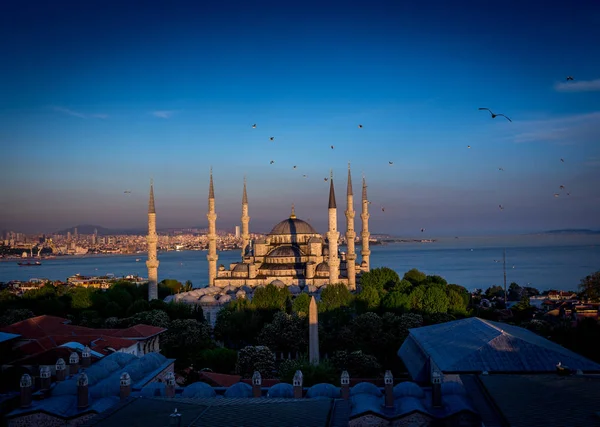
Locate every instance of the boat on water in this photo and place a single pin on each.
(29, 264)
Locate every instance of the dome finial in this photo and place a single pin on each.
(293, 214)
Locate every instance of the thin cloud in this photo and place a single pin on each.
(593, 161)
(163, 114)
(74, 113)
(567, 130)
(578, 86)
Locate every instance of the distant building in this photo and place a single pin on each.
(237, 232)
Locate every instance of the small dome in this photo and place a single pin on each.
(323, 390)
(240, 294)
(278, 283)
(365, 388)
(230, 289)
(247, 289)
(293, 226)
(281, 390)
(239, 390)
(207, 298)
(323, 267)
(224, 298)
(295, 290)
(286, 251)
(198, 390)
(408, 389)
(240, 268)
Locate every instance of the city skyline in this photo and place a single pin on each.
(98, 99)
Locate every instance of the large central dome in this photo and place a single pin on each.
(293, 226)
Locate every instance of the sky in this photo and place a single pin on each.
(99, 97)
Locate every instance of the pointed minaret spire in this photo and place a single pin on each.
(333, 236)
(152, 240)
(245, 221)
(350, 235)
(293, 214)
(364, 235)
(211, 188)
(349, 191)
(331, 192)
(151, 208)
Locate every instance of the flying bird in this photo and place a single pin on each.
(422, 230)
(562, 160)
(294, 167)
(562, 187)
(305, 176)
(569, 78)
(568, 194)
(272, 138)
(556, 195)
(127, 191)
(272, 161)
(501, 207)
(501, 169)
(382, 209)
(360, 126)
(468, 146)
(325, 179)
(391, 163)
(331, 147)
(496, 115)
(254, 126)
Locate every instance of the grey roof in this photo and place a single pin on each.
(476, 345)
(5, 336)
(251, 412)
(546, 400)
(286, 251)
(293, 226)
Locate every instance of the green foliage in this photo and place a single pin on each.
(396, 301)
(368, 299)
(439, 280)
(238, 325)
(152, 318)
(381, 279)
(357, 363)
(456, 301)
(270, 298)
(589, 288)
(404, 286)
(256, 358)
(286, 333)
(172, 285)
(335, 296)
(324, 372)
(15, 315)
(494, 291)
(184, 339)
(138, 307)
(221, 360)
(415, 276)
(112, 309)
(300, 304)
(120, 296)
(523, 304)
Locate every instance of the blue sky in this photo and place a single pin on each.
(98, 97)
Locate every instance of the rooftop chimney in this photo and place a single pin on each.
(388, 380)
(436, 389)
(175, 419)
(86, 357)
(256, 384)
(82, 391)
(26, 385)
(45, 378)
(170, 380)
(73, 363)
(297, 382)
(125, 385)
(61, 370)
(345, 380)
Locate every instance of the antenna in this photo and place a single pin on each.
(504, 264)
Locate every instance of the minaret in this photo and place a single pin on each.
(212, 256)
(152, 240)
(364, 235)
(245, 221)
(350, 235)
(332, 236)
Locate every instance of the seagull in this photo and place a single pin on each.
(501, 207)
(272, 138)
(272, 161)
(391, 163)
(569, 78)
(331, 147)
(562, 160)
(360, 126)
(305, 176)
(127, 191)
(294, 167)
(496, 115)
(556, 195)
(501, 169)
(382, 209)
(468, 146)
(254, 126)
(422, 230)
(325, 179)
(562, 187)
(568, 194)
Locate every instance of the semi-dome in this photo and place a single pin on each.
(293, 226)
(286, 251)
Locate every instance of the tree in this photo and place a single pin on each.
(184, 339)
(324, 372)
(153, 318)
(270, 298)
(15, 315)
(381, 279)
(300, 304)
(436, 279)
(188, 286)
(415, 276)
(515, 292)
(138, 307)
(494, 291)
(335, 296)
(589, 288)
(396, 301)
(286, 333)
(368, 299)
(256, 358)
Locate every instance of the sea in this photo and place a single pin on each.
(544, 261)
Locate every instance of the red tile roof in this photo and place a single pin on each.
(219, 380)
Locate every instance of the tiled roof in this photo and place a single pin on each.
(476, 345)
(219, 380)
(137, 331)
(546, 400)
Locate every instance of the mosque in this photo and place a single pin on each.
(293, 254)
